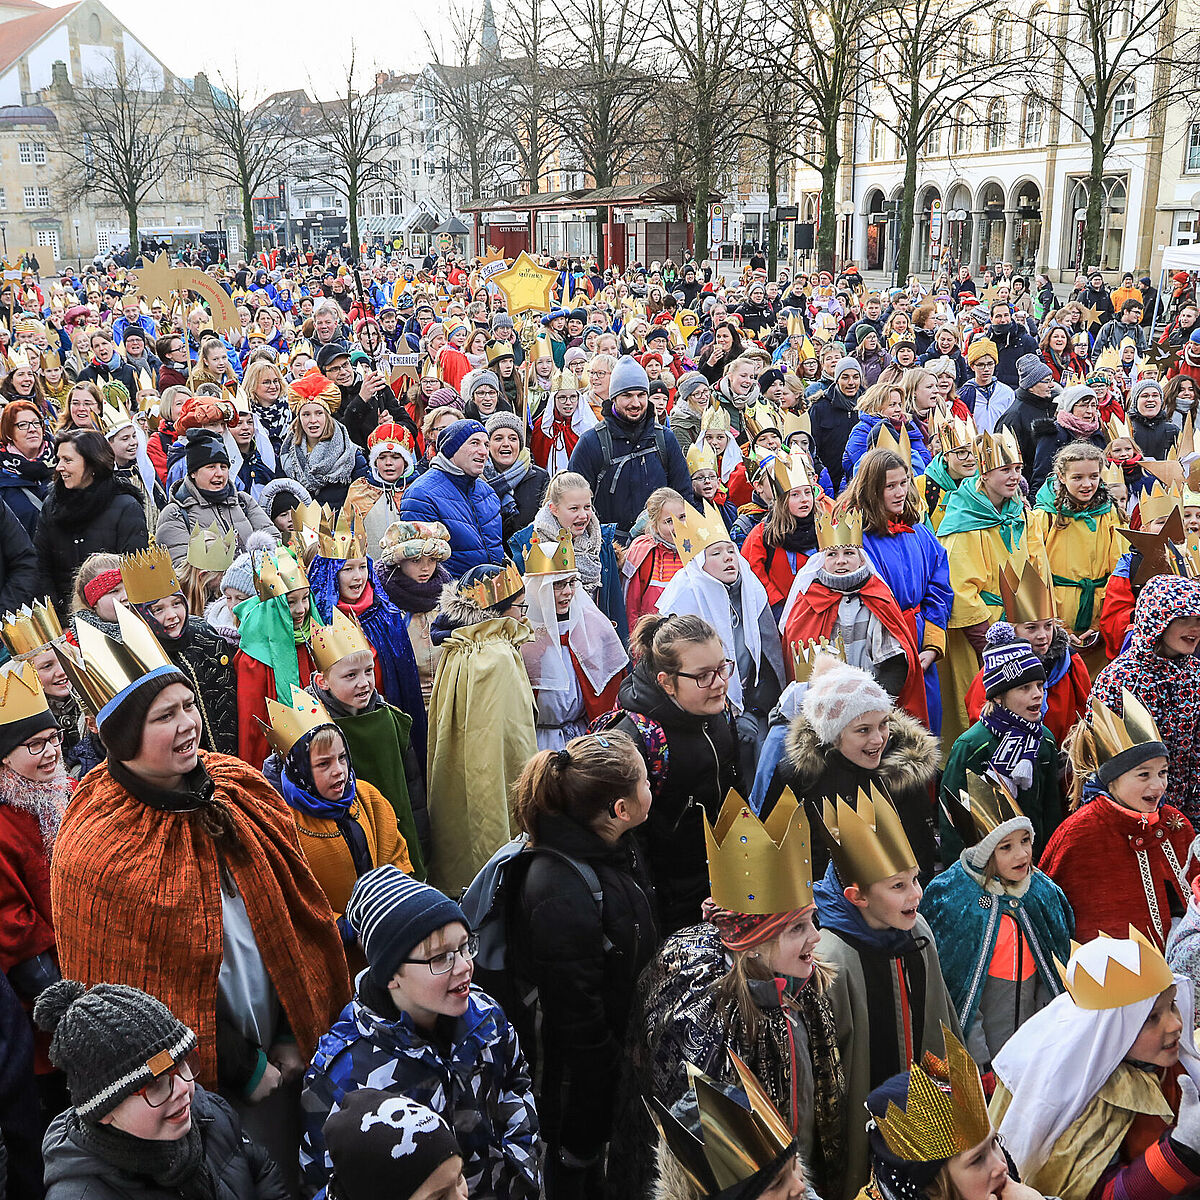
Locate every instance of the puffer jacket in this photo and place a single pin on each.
(188, 509)
(863, 437)
(1154, 435)
(701, 765)
(475, 1078)
(240, 1169)
(470, 510)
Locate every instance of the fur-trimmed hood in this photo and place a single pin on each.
(457, 610)
(910, 760)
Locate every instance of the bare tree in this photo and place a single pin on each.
(464, 80)
(707, 53)
(924, 66)
(248, 147)
(343, 134)
(1103, 65)
(525, 116)
(116, 131)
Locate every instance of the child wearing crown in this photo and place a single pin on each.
(764, 436)
(706, 482)
(1118, 818)
(839, 593)
(554, 433)
(888, 995)
(1096, 1097)
(651, 561)
(1124, 454)
(946, 470)
(1075, 520)
(576, 661)
(999, 922)
(716, 583)
(983, 527)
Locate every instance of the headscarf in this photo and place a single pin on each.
(741, 931)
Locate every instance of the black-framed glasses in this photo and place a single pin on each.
(706, 679)
(27, 426)
(443, 964)
(160, 1089)
(36, 746)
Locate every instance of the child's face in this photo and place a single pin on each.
(297, 602)
(352, 681)
(843, 560)
(1122, 450)
(718, 439)
(664, 527)
(800, 501)
(705, 484)
(864, 740)
(741, 379)
(1026, 700)
(1141, 789)
(768, 442)
(721, 562)
(1012, 860)
(890, 903)
(1191, 518)
(893, 407)
(1081, 479)
(1039, 635)
(425, 996)
(1158, 1041)
(352, 580)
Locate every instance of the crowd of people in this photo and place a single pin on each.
(717, 738)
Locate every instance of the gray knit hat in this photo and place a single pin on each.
(502, 321)
(844, 365)
(1031, 370)
(503, 419)
(109, 1040)
(240, 575)
(689, 381)
(477, 379)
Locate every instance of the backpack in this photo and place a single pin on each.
(654, 743)
(604, 434)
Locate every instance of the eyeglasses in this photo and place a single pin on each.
(443, 964)
(28, 426)
(706, 679)
(160, 1089)
(38, 745)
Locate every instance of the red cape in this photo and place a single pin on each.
(815, 613)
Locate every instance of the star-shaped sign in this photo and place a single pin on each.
(526, 286)
(1090, 315)
(1159, 556)
(988, 295)
(1162, 357)
(154, 280)
(404, 366)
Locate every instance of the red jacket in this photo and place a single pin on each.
(771, 565)
(255, 685)
(1066, 703)
(1116, 613)
(738, 486)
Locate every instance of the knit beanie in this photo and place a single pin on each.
(1143, 385)
(203, 449)
(123, 738)
(1071, 396)
(1031, 370)
(451, 439)
(13, 733)
(239, 576)
(980, 347)
(837, 694)
(502, 321)
(688, 383)
(109, 1040)
(627, 376)
(770, 376)
(844, 365)
(505, 420)
(477, 379)
(444, 398)
(384, 1144)
(1008, 662)
(392, 913)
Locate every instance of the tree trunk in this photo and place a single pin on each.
(1092, 225)
(248, 223)
(134, 245)
(601, 221)
(772, 205)
(827, 229)
(352, 203)
(908, 204)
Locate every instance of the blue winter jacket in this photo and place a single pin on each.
(860, 441)
(469, 508)
(145, 321)
(476, 1080)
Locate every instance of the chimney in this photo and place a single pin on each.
(200, 85)
(60, 82)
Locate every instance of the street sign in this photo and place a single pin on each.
(785, 212)
(935, 221)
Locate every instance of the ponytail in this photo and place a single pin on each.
(1080, 746)
(656, 638)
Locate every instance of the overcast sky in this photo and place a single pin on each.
(303, 43)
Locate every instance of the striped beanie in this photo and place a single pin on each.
(392, 913)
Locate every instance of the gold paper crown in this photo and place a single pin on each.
(429, 370)
(564, 381)
(1117, 427)
(1112, 475)
(845, 531)
(805, 654)
(148, 575)
(211, 550)
(1114, 972)
(997, 450)
(867, 843)
(1114, 734)
(541, 348)
(1108, 360)
(887, 440)
(114, 417)
(957, 434)
(937, 1123)
(21, 693)
(1073, 379)
(758, 418)
(290, 722)
(701, 457)
(278, 574)
(344, 540)
(487, 593)
(30, 630)
(714, 420)
(735, 1143)
(1025, 593)
(102, 668)
(796, 422)
(760, 867)
(339, 639)
(795, 326)
(791, 471)
(1159, 501)
(983, 807)
(694, 532)
(559, 561)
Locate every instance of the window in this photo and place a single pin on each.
(1002, 37)
(31, 152)
(3, 199)
(375, 206)
(1119, 17)
(960, 132)
(414, 167)
(185, 158)
(1039, 23)
(430, 167)
(1191, 161)
(967, 34)
(49, 237)
(1031, 129)
(393, 140)
(878, 141)
(933, 142)
(395, 204)
(1122, 108)
(997, 125)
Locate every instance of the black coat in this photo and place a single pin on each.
(1154, 435)
(18, 563)
(833, 415)
(528, 494)
(1012, 343)
(702, 765)
(107, 516)
(1020, 417)
(122, 373)
(362, 417)
(585, 992)
(1051, 437)
(206, 659)
(240, 1169)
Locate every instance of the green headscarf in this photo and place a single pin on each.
(269, 637)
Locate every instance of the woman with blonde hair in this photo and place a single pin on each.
(266, 389)
(85, 403)
(318, 452)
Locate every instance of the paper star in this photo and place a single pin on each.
(988, 295)
(1159, 556)
(158, 279)
(1162, 357)
(1090, 315)
(404, 367)
(526, 286)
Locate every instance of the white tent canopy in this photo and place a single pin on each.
(1181, 258)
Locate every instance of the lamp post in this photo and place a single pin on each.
(78, 249)
(220, 236)
(4, 236)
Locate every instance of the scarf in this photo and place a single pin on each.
(442, 463)
(178, 1166)
(587, 546)
(1048, 500)
(1081, 427)
(330, 461)
(968, 508)
(742, 931)
(412, 597)
(268, 635)
(46, 802)
(213, 499)
(852, 582)
(77, 508)
(505, 482)
(1019, 741)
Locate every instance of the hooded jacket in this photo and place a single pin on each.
(188, 509)
(470, 510)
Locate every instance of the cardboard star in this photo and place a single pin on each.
(405, 367)
(1162, 357)
(526, 286)
(1168, 471)
(154, 280)
(1090, 315)
(988, 295)
(1159, 556)
(492, 255)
